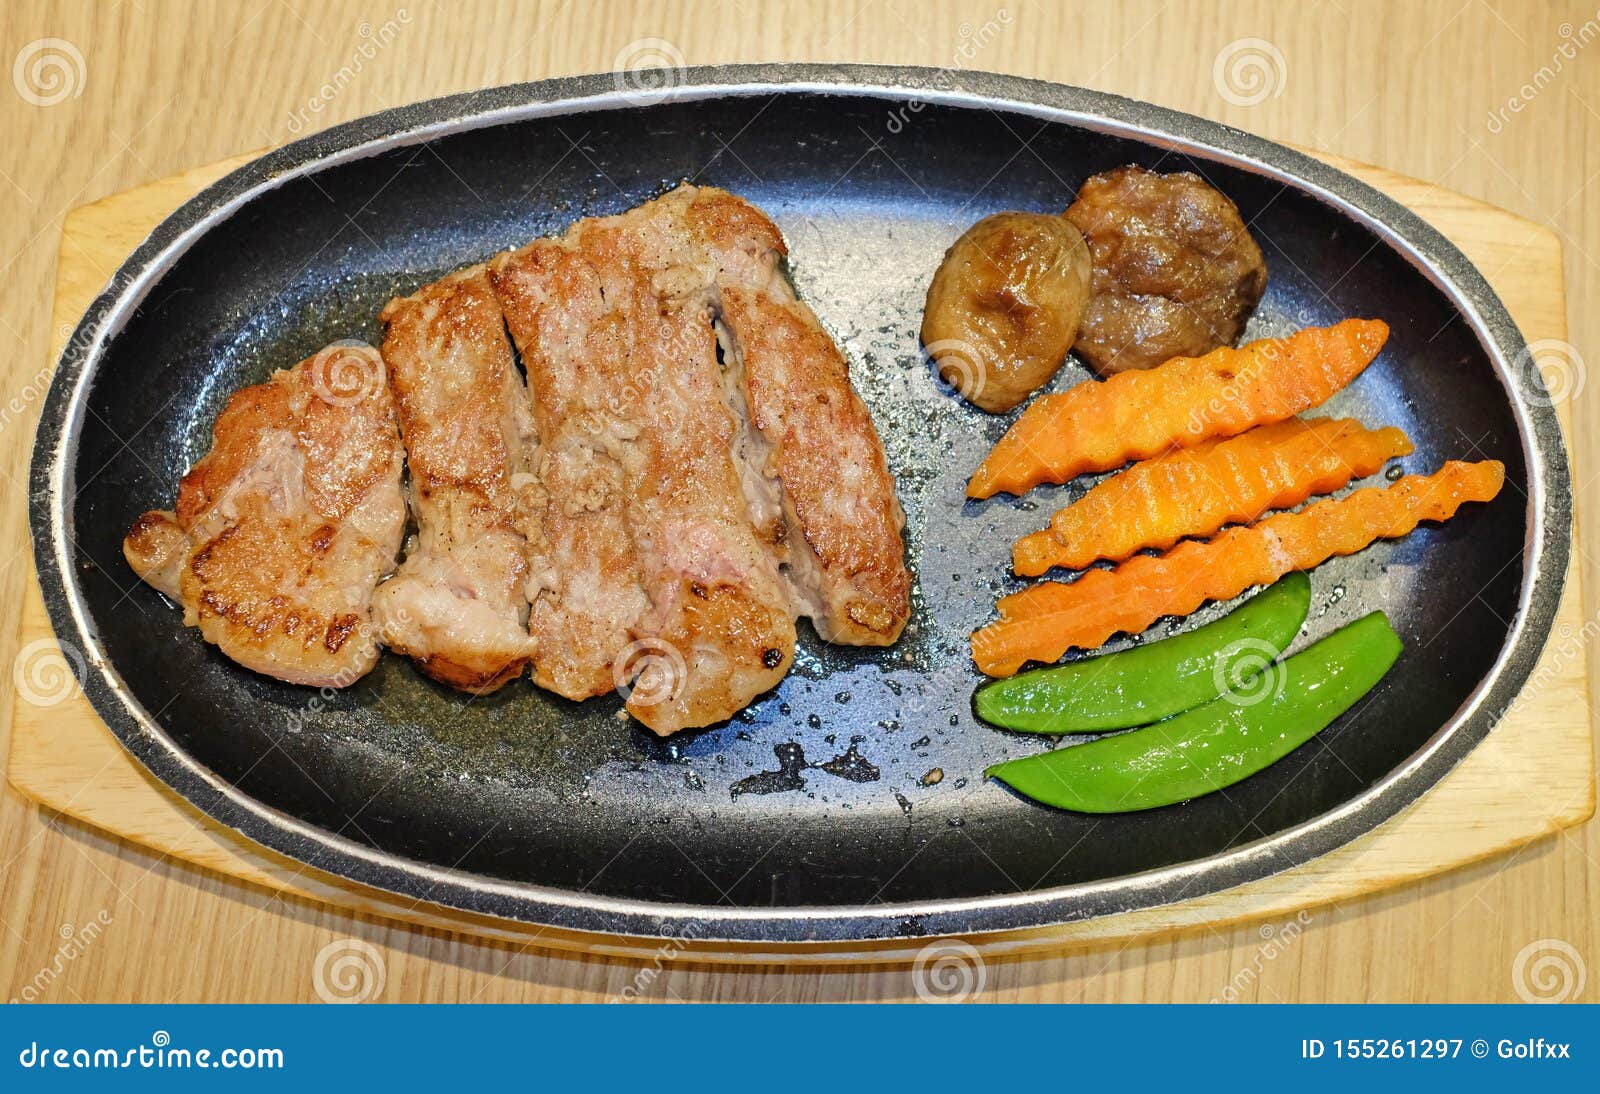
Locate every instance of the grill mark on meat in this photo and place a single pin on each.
(846, 563)
(686, 508)
(282, 530)
(840, 541)
(584, 586)
(340, 630)
(844, 556)
(456, 606)
(688, 466)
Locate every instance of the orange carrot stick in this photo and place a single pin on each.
(1044, 621)
(1195, 491)
(1097, 426)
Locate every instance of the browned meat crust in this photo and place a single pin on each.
(715, 593)
(457, 604)
(284, 528)
(585, 584)
(671, 580)
(647, 514)
(843, 553)
(846, 563)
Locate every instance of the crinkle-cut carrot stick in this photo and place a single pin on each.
(1194, 491)
(1099, 425)
(1044, 621)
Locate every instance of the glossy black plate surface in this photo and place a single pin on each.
(850, 802)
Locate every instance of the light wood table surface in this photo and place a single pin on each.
(1449, 92)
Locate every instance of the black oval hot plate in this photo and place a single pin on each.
(526, 806)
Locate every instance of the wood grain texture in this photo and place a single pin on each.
(168, 86)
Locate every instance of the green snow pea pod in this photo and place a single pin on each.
(1220, 743)
(1148, 683)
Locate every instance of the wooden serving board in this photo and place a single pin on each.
(1534, 775)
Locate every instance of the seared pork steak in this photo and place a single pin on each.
(715, 628)
(457, 605)
(285, 527)
(585, 584)
(817, 482)
(686, 471)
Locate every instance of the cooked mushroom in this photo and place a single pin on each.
(1176, 272)
(1004, 306)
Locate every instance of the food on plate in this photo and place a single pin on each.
(1195, 491)
(1176, 272)
(814, 471)
(660, 569)
(1044, 621)
(686, 472)
(456, 605)
(843, 554)
(1004, 306)
(282, 531)
(716, 591)
(1216, 745)
(722, 495)
(1098, 426)
(584, 581)
(1147, 683)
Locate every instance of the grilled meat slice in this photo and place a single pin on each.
(456, 606)
(285, 527)
(846, 564)
(157, 548)
(648, 514)
(843, 553)
(720, 630)
(628, 380)
(810, 454)
(584, 583)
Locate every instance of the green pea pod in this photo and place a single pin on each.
(1148, 683)
(1220, 743)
